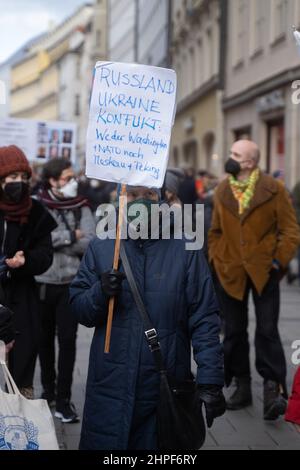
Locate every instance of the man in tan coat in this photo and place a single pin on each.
(253, 237)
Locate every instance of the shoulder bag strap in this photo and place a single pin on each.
(150, 332)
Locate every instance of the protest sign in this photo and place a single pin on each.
(40, 140)
(131, 117)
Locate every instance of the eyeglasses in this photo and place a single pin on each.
(67, 179)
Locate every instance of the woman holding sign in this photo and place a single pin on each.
(123, 385)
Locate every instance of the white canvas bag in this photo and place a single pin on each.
(24, 424)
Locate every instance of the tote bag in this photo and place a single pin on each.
(24, 424)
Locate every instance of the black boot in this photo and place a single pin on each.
(274, 403)
(242, 396)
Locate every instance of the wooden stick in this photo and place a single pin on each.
(115, 266)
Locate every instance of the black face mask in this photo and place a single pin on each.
(232, 167)
(15, 192)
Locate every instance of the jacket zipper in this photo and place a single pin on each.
(4, 236)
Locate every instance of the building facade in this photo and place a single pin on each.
(262, 64)
(122, 24)
(197, 57)
(87, 45)
(53, 81)
(153, 32)
(5, 74)
(139, 31)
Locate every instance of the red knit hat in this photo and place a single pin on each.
(13, 159)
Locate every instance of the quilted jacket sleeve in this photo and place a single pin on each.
(87, 300)
(204, 321)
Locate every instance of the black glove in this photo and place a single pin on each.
(214, 402)
(7, 333)
(111, 282)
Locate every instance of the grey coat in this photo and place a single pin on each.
(67, 251)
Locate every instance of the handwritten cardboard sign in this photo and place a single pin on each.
(131, 117)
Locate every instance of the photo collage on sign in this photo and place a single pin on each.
(54, 142)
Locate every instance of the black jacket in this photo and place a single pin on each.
(18, 288)
(6, 325)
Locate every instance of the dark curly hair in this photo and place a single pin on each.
(53, 169)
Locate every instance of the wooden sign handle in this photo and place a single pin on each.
(115, 266)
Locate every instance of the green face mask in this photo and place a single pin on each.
(145, 215)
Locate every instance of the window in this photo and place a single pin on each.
(278, 19)
(281, 17)
(175, 157)
(190, 153)
(199, 64)
(208, 51)
(2, 92)
(184, 87)
(98, 37)
(77, 105)
(78, 64)
(191, 70)
(239, 35)
(209, 142)
(276, 146)
(179, 82)
(297, 13)
(257, 26)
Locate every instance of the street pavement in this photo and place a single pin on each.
(236, 430)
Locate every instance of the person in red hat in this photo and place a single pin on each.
(25, 251)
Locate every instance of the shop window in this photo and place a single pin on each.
(190, 153)
(209, 149)
(175, 157)
(276, 146)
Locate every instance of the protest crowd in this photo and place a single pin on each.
(56, 273)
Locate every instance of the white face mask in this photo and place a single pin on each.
(69, 190)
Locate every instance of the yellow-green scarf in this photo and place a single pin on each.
(243, 191)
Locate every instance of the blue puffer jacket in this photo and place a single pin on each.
(122, 386)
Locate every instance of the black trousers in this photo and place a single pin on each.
(270, 360)
(22, 358)
(56, 317)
